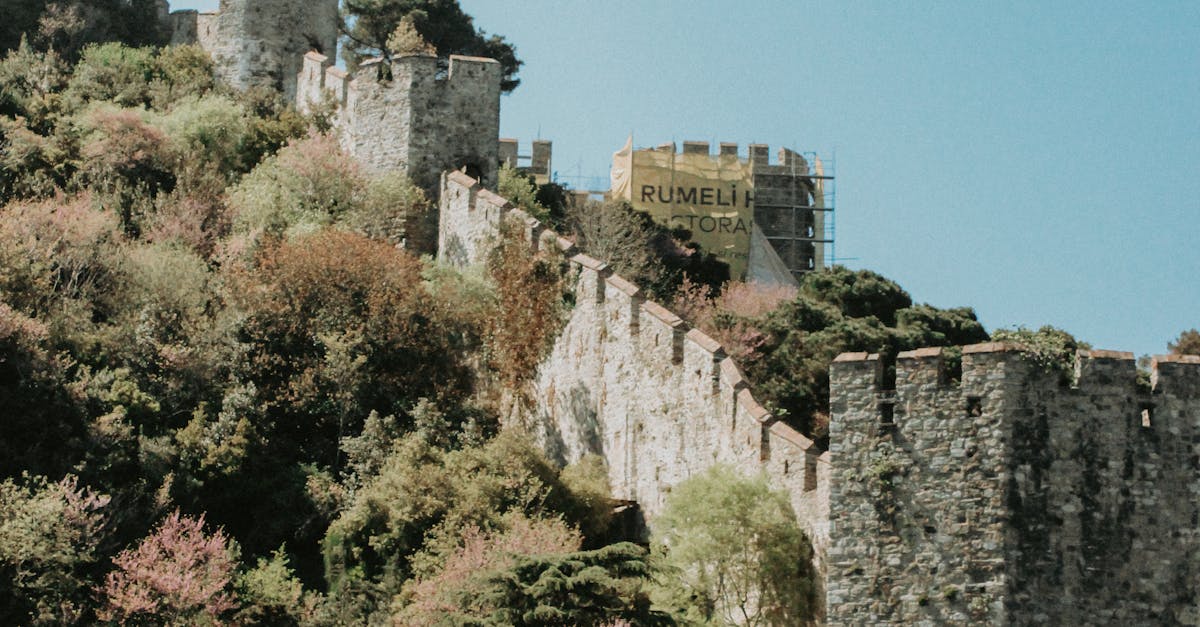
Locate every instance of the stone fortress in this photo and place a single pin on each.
(258, 43)
(990, 491)
(419, 122)
(422, 122)
(993, 492)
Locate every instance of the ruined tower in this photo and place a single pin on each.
(260, 42)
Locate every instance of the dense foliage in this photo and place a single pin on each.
(732, 553)
(230, 392)
(656, 257)
(69, 25)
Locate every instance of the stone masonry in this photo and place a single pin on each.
(1014, 496)
(1003, 495)
(422, 121)
(627, 380)
(260, 42)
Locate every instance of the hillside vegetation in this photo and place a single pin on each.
(228, 394)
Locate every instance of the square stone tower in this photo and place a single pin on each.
(260, 42)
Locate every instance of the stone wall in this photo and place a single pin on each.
(422, 121)
(991, 492)
(535, 164)
(260, 42)
(1014, 495)
(629, 381)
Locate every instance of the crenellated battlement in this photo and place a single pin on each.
(1036, 496)
(536, 163)
(787, 161)
(629, 380)
(415, 118)
(960, 487)
(1099, 372)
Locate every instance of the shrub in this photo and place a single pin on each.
(59, 263)
(177, 575)
(208, 133)
(395, 210)
(336, 325)
(734, 316)
(179, 73)
(585, 588)
(270, 592)
(309, 184)
(1050, 348)
(31, 165)
(412, 517)
(529, 288)
(126, 162)
(112, 72)
(734, 553)
(456, 584)
(49, 536)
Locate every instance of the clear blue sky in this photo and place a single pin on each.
(1039, 161)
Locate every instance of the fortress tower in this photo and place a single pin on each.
(423, 121)
(260, 42)
(1012, 495)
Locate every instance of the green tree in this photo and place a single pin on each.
(650, 254)
(585, 588)
(791, 346)
(69, 25)
(733, 553)
(309, 184)
(30, 81)
(50, 534)
(43, 425)
(112, 72)
(1188, 343)
(270, 593)
(370, 25)
(412, 517)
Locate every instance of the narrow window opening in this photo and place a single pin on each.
(810, 472)
(887, 413)
(974, 406)
(1147, 415)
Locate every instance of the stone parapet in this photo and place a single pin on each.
(630, 381)
(1013, 493)
(981, 489)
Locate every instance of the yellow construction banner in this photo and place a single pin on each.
(710, 196)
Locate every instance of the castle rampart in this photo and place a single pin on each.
(987, 491)
(1014, 495)
(629, 381)
(536, 163)
(416, 119)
